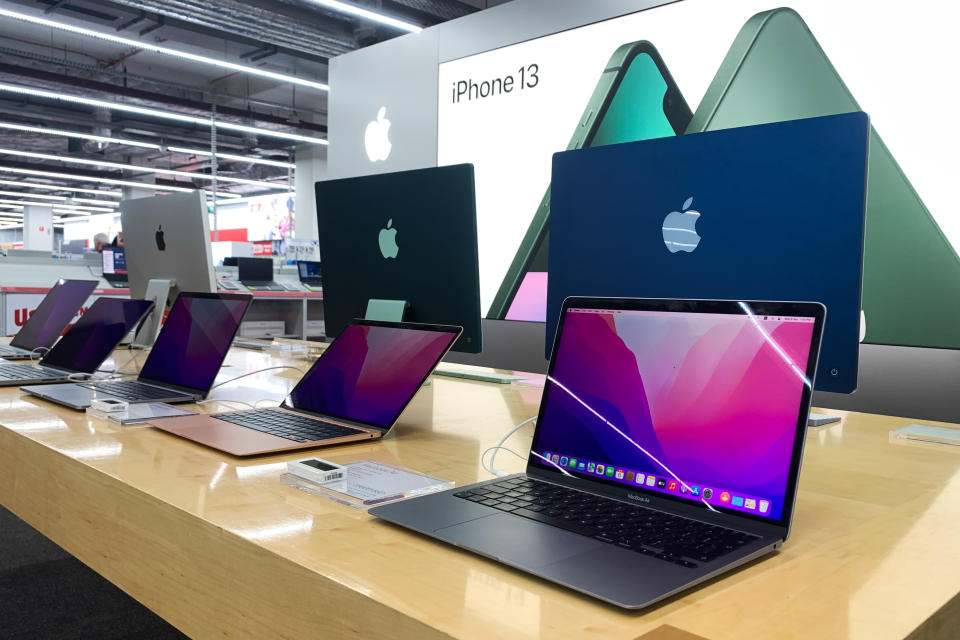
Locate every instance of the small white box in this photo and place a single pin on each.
(316, 328)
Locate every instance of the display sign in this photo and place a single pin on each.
(701, 65)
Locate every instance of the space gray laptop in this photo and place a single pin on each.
(183, 362)
(48, 321)
(666, 452)
(84, 347)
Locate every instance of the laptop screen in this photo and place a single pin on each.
(255, 269)
(53, 314)
(98, 332)
(114, 261)
(308, 269)
(195, 339)
(371, 372)
(697, 406)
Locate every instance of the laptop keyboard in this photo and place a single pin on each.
(26, 372)
(653, 533)
(287, 425)
(6, 350)
(131, 390)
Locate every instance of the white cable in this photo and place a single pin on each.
(494, 471)
(33, 352)
(119, 370)
(253, 373)
(499, 445)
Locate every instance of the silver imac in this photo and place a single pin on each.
(167, 244)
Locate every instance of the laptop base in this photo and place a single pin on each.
(615, 575)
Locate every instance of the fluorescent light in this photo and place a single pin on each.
(78, 207)
(148, 46)
(360, 12)
(240, 200)
(41, 196)
(144, 145)
(133, 167)
(55, 187)
(155, 113)
(230, 156)
(74, 176)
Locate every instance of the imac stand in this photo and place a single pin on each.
(820, 419)
(158, 291)
(386, 310)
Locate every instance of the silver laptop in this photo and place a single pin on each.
(184, 360)
(84, 347)
(666, 452)
(48, 321)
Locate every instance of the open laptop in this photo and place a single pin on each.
(666, 452)
(51, 317)
(355, 391)
(115, 267)
(309, 272)
(183, 362)
(256, 274)
(766, 212)
(84, 347)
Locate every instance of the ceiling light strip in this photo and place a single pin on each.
(133, 167)
(155, 113)
(78, 207)
(167, 51)
(38, 196)
(56, 187)
(144, 145)
(360, 12)
(72, 176)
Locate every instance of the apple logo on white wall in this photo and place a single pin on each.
(679, 229)
(376, 137)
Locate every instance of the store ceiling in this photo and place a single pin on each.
(289, 37)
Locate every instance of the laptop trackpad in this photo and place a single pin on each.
(517, 540)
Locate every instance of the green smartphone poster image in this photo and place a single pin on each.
(776, 70)
(636, 110)
(635, 99)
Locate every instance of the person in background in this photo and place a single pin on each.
(100, 241)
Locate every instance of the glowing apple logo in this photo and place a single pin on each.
(376, 137)
(680, 229)
(388, 241)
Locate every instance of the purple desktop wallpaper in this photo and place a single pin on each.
(194, 340)
(98, 332)
(53, 314)
(370, 373)
(707, 395)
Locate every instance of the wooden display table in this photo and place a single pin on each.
(219, 546)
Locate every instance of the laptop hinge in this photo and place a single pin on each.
(323, 416)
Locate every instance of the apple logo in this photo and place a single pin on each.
(376, 137)
(161, 244)
(388, 240)
(679, 229)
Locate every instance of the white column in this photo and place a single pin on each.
(38, 227)
(311, 160)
